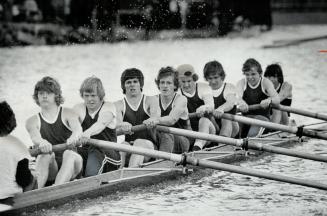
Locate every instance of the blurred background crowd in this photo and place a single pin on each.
(222, 15)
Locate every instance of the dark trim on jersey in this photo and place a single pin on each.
(286, 101)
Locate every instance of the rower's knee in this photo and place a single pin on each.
(142, 143)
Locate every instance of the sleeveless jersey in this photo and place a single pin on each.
(193, 103)
(181, 123)
(136, 117)
(107, 134)
(55, 133)
(220, 100)
(255, 96)
(286, 101)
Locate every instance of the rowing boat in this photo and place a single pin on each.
(128, 178)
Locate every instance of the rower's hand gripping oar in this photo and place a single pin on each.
(61, 147)
(203, 163)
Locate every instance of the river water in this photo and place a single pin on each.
(205, 192)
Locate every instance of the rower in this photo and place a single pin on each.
(224, 95)
(16, 176)
(255, 89)
(54, 125)
(174, 112)
(98, 120)
(274, 73)
(132, 110)
(199, 100)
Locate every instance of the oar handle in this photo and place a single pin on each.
(61, 147)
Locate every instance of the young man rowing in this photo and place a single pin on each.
(132, 110)
(199, 100)
(224, 95)
(173, 107)
(255, 89)
(51, 126)
(98, 120)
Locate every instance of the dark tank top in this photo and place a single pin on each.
(255, 96)
(181, 123)
(220, 100)
(136, 118)
(55, 133)
(107, 134)
(192, 104)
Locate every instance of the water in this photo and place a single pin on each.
(206, 192)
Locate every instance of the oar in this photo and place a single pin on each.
(185, 159)
(244, 143)
(301, 112)
(293, 110)
(61, 147)
(299, 131)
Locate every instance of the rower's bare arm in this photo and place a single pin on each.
(122, 126)
(207, 97)
(240, 88)
(285, 91)
(272, 93)
(72, 119)
(79, 109)
(178, 110)
(33, 128)
(152, 103)
(106, 116)
(230, 97)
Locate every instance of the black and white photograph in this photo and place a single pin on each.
(163, 107)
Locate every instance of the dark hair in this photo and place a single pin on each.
(275, 70)
(250, 63)
(7, 119)
(131, 73)
(49, 85)
(165, 72)
(92, 84)
(213, 67)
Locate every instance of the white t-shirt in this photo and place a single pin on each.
(12, 151)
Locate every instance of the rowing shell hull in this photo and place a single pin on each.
(127, 178)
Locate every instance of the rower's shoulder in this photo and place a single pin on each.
(180, 98)
(79, 106)
(286, 85)
(119, 104)
(108, 106)
(241, 82)
(32, 121)
(203, 86)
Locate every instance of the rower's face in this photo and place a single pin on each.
(252, 76)
(274, 80)
(215, 81)
(187, 84)
(91, 100)
(166, 86)
(133, 86)
(46, 98)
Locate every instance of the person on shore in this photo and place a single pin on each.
(224, 96)
(274, 73)
(54, 125)
(199, 100)
(255, 89)
(98, 120)
(174, 112)
(16, 176)
(132, 110)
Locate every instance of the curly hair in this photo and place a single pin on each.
(49, 85)
(165, 72)
(131, 73)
